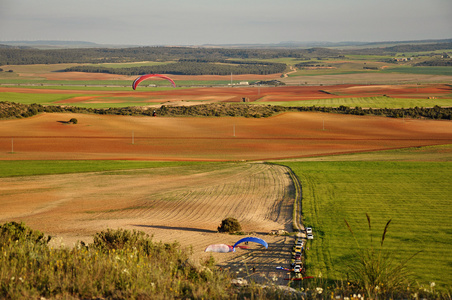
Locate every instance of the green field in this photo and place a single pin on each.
(365, 102)
(30, 98)
(44, 167)
(109, 85)
(130, 65)
(420, 70)
(414, 195)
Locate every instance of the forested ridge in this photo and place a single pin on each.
(22, 56)
(191, 67)
(17, 56)
(10, 110)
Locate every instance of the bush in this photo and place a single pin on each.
(18, 232)
(230, 225)
(73, 121)
(121, 239)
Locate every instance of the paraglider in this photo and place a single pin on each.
(143, 77)
(220, 248)
(223, 248)
(251, 239)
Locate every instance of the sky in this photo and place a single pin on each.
(200, 22)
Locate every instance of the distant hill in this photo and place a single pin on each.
(49, 44)
(44, 44)
(320, 44)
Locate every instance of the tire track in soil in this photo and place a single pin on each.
(186, 205)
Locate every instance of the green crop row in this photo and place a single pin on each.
(365, 102)
(45, 167)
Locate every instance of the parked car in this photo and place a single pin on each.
(297, 269)
(308, 230)
(310, 236)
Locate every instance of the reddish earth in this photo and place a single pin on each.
(186, 96)
(103, 76)
(288, 135)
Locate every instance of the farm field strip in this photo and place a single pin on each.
(107, 97)
(288, 135)
(366, 102)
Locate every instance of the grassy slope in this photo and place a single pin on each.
(415, 195)
(366, 102)
(30, 98)
(43, 167)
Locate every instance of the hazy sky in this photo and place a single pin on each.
(197, 22)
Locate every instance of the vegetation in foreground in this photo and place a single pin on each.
(122, 264)
(375, 271)
(119, 264)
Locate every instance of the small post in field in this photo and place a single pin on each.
(133, 138)
(233, 130)
(12, 145)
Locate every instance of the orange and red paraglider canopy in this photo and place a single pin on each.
(143, 77)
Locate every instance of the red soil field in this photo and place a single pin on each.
(289, 135)
(190, 96)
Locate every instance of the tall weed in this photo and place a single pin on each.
(375, 270)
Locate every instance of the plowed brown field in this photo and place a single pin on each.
(172, 204)
(289, 135)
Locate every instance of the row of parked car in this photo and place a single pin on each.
(298, 252)
(296, 256)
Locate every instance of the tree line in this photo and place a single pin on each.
(10, 110)
(191, 67)
(442, 62)
(20, 56)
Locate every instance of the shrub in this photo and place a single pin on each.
(73, 121)
(121, 239)
(230, 225)
(18, 232)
